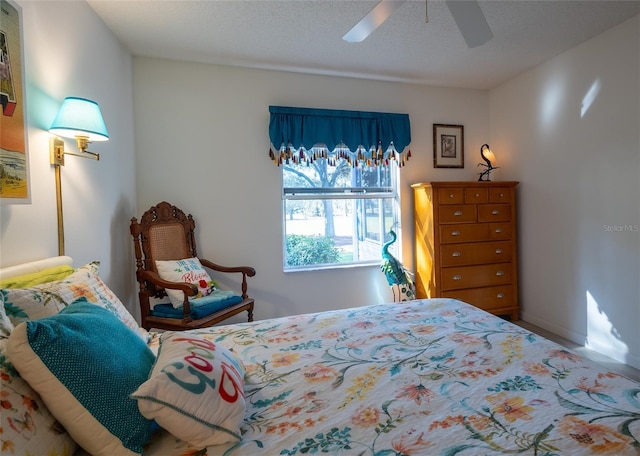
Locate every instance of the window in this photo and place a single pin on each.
(336, 214)
(339, 183)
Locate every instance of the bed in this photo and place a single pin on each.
(424, 377)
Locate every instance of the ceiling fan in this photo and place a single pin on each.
(467, 14)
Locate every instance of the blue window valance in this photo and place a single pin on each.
(361, 137)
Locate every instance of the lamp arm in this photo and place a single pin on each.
(92, 155)
(57, 152)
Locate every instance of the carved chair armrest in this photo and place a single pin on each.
(188, 288)
(246, 271)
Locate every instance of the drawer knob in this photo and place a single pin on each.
(500, 295)
(450, 195)
(498, 230)
(455, 233)
(498, 251)
(501, 195)
(457, 277)
(499, 273)
(457, 213)
(477, 195)
(455, 254)
(495, 212)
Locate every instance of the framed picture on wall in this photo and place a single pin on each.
(448, 146)
(14, 162)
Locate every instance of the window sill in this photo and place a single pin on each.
(324, 267)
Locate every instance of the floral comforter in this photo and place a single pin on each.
(425, 377)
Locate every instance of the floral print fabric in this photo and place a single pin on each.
(27, 428)
(425, 377)
(39, 301)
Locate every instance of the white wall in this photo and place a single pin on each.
(568, 130)
(70, 52)
(202, 144)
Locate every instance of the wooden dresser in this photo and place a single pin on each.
(466, 244)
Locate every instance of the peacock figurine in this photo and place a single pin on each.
(398, 277)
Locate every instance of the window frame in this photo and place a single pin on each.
(391, 193)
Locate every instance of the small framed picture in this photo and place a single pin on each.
(448, 146)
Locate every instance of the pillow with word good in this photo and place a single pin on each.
(189, 270)
(195, 390)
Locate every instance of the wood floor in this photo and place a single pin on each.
(603, 360)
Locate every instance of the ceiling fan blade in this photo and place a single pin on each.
(380, 13)
(471, 21)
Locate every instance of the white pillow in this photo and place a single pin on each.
(195, 390)
(189, 270)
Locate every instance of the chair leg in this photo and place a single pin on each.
(250, 312)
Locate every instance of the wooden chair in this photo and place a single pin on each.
(166, 233)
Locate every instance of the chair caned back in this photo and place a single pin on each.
(167, 241)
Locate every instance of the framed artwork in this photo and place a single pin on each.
(14, 163)
(448, 146)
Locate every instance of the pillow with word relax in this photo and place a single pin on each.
(195, 390)
(189, 270)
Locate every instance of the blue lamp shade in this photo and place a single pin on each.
(80, 117)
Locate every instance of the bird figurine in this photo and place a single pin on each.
(398, 277)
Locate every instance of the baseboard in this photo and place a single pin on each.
(574, 337)
(580, 339)
(628, 359)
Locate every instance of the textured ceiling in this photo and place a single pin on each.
(306, 36)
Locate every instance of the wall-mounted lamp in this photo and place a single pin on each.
(490, 159)
(81, 119)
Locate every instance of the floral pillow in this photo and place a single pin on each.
(26, 425)
(85, 363)
(195, 390)
(27, 280)
(5, 324)
(189, 270)
(33, 303)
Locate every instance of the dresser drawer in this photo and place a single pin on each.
(459, 277)
(475, 253)
(458, 213)
(472, 232)
(450, 195)
(499, 231)
(499, 195)
(469, 232)
(487, 298)
(494, 212)
(476, 195)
